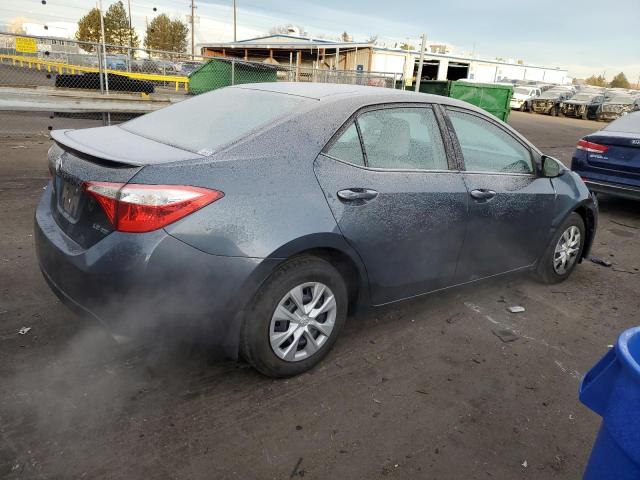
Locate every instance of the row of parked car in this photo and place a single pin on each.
(154, 66)
(584, 102)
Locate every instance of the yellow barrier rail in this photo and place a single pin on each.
(62, 67)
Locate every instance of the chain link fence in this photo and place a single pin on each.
(65, 78)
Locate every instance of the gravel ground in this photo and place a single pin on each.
(422, 389)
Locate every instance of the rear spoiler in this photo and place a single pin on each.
(117, 147)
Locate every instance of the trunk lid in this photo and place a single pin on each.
(103, 154)
(623, 154)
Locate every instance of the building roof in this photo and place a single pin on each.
(284, 41)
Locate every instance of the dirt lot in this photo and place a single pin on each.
(423, 389)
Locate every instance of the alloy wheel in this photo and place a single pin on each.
(567, 249)
(303, 321)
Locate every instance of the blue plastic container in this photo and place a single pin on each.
(612, 390)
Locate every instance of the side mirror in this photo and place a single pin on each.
(551, 167)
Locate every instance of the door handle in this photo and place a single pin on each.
(482, 194)
(351, 194)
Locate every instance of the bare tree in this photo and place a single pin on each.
(373, 39)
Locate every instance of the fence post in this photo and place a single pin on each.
(233, 71)
(100, 69)
(298, 55)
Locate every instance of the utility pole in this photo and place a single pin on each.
(130, 37)
(234, 21)
(193, 22)
(419, 75)
(104, 49)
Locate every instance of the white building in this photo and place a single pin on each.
(333, 55)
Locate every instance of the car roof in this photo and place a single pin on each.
(320, 91)
(327, 93)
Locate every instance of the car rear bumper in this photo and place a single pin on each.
(618, 190)
(133, 283)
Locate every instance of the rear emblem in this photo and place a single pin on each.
(635, 142)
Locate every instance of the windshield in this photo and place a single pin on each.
(522, 91)
(581, 97)
(551, 94)
(621, 100)
(206, 122)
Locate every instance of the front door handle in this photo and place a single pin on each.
(351, 194)
(482, 194)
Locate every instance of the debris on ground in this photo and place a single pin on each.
(24, 330)
(622, 270)
(423, 392)
(601, 261)
(505, 335)
(296, 472)
(454, 318)
(525, 464)
(516, 309)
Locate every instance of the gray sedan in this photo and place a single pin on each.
(259, 215)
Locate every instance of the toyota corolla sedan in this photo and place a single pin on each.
(260, 215)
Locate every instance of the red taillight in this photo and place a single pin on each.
(142, 208)
(591, 147)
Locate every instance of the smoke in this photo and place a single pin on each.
(64, 405)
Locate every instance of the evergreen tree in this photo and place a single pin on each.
(166, 34)
(620, 81)
(89, 29)
(117, 31)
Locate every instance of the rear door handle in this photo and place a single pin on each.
(351, 194)
(482, 194)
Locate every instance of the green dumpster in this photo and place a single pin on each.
(490, 97)
(435, 87)
(219, 73)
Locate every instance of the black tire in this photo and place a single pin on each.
(255, 334)
(545, 270)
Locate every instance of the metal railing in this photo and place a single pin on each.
(67, 68)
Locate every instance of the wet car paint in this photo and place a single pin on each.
(280, 201)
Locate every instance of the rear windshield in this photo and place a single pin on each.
(211, 120)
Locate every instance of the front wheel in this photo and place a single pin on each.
(295, 318)
(563, 252)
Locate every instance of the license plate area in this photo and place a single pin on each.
(69, 199)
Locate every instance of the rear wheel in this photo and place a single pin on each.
(563, 252)
(295, 318)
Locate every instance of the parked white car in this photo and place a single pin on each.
(523, 96)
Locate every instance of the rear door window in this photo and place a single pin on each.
(487, 147)
(402, 138)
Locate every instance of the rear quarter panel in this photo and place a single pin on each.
(268, 202)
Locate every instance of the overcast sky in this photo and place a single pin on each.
(583, 36)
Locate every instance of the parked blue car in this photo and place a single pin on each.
(261, 214)
(609, 160)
